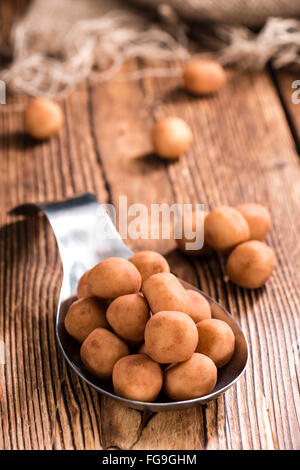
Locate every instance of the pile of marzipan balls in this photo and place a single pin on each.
(140, 327)
(238, 232)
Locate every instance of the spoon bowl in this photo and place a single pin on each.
(86, 235)
(227, 375)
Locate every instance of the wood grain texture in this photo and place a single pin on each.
(243, 150)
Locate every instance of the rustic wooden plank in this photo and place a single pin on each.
(219, 424)
(40, 412)
(243, 151)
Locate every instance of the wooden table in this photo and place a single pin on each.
(246, 143)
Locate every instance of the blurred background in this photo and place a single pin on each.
(55, 45)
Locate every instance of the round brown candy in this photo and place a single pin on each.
(258, 218)
(163, 291)
(224, 228)
(149, 262)
(198, 307)
(203, 77)
(189, 228)
(171, 137)
(170, 337)
(128, 315)
(82, 287)
(193, 378)
(83, 316)
(101, 350)
(251, 264)
(43, 118)
(113, 277)
(216, 340)
(137, 377)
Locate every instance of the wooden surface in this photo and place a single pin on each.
(245, 149)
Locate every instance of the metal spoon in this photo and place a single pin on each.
(86, 235)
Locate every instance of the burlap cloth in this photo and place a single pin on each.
(59, 43)
(240, 12)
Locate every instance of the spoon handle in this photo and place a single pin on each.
(84, 232)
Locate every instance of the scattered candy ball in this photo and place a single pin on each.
(250, 264)
(128, 315)
(193, 378)
(258, 218)
(216, 340)
(170, 337)
(197, 307)
(188, 234)
(101, 350)
(113, 277)
(43, 118)
(82, 287)
(149, 262)
(84, 316)
(137, 377)
(203, 77)
(171, 137)
(163, 291)
(224, 228)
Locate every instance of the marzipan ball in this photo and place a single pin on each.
(43, 118)
(137, 377)
(101, 350)
(216, 340)
(113, 277)
(163, 291)
(198, 307)
(128, 315)
(82, 287)
(190, 237)
(250, 264)
(171, 137)
(149, 262)
(225, 228)
(190, 379)
(202, 77)
(84, 315)
(258, 218)
(170, 337)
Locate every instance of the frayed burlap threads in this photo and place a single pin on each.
(278, 42)
(58, 44)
